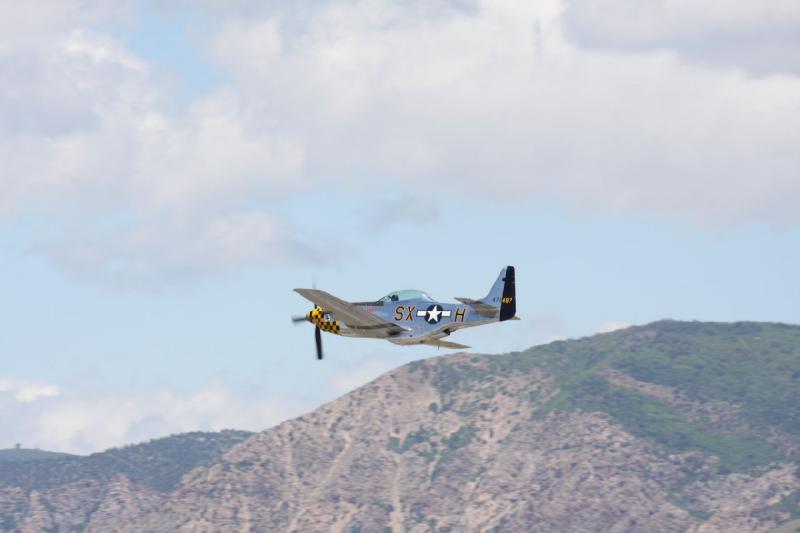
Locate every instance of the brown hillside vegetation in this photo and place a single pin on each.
(637, 430)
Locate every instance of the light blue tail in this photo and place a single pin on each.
(503, 294)
(496, 292)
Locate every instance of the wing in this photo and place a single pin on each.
(431, 339)
(353, 316)
(444, 344)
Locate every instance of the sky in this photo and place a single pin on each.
(170, 171)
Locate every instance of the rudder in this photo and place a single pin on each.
(508, 304)
(504, 293)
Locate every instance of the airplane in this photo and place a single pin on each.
(409, 317)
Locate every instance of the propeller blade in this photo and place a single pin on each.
(318, 339)
(296, 319)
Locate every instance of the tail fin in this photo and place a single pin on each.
(504, 292)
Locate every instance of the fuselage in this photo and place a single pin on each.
(421, 316)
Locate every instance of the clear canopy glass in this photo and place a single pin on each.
(408, 294)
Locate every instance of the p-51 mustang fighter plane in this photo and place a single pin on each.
(410, 316)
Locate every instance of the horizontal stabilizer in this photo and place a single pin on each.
(500, 303)
(485, 310)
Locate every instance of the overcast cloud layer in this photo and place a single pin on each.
(686, 109)
(606, 106)
(758, 37)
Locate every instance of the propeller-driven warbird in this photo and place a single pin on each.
(410, 316)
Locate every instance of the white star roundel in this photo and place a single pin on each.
(434, 314)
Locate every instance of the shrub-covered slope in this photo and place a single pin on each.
(731, 390)
(158, 464)
(671, 426)
(666, 427)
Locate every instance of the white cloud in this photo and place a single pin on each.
(496, 103)
(30, 21)
(104, 136)
(164, 249)
(31, 393)
(490, 99)
(134, 189)
(87, 418)
(79, 421)
(758, 36)
(27, 391)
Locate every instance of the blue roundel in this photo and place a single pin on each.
(434, 314)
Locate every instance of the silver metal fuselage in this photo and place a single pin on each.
(423, 318)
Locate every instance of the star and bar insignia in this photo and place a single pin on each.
(434, 314)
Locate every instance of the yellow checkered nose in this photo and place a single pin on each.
(323, 320)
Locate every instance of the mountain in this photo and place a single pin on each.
(13, 455)
(36, 495)
(672, 426)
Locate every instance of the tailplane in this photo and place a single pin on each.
(501, 302)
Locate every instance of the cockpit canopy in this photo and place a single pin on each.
(408, 294)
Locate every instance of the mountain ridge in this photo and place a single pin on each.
(159, 463)
(19, 454)
(633, 430)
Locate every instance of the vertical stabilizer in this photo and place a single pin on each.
(508, 303)
(504, 294)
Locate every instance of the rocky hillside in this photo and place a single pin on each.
(30, 482)
(666, 427)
